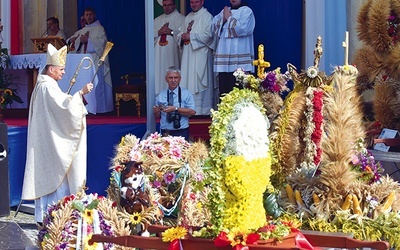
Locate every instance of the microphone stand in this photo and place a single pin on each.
(44, 32)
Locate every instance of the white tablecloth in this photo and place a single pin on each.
(38, 61)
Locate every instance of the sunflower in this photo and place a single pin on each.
(135, 218)
(88, 216)
(87, 246)
(237, 236)
(174, 233)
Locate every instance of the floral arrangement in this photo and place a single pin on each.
(173, 235)
(273, 81)
(270, 87)
(71, 222)
(364, 162)
(275, 230)
(349, 70)
(173, 176)
(8, 95)
(314, 127)
(238, 156)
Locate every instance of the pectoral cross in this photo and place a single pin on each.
(345, 45)
(260, 63)
(189, 28)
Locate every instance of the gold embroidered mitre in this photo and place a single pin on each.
(56, 57)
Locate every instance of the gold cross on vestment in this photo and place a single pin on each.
(260, 63)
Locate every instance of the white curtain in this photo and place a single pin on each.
(34, 15)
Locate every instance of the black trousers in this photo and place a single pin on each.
(227, 82)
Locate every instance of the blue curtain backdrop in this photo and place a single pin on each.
(328, 20)
(278, 27)
(101, 142)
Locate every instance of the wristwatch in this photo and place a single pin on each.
(176, 108)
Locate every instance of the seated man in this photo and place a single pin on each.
(92, 39)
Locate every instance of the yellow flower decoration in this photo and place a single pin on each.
(87, 246)
(44, 242)
(122, 142)
(88, 216)
(135, 218)
(174, 233)
(237, 237)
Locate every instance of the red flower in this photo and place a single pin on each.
(222, 240)
(252, 238)
(69, 198)
(267, 228)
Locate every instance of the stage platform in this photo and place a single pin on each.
(104, 132)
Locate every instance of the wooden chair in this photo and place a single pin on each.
(134, 88)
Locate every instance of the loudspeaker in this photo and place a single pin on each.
(4, 178)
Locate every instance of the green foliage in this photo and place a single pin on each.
(8, 95)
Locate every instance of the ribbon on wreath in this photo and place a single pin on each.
(302, 242)
(222, 240)
(175, 245)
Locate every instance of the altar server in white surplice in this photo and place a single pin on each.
(196, 39)
(233, 29)
(56, 146)
(92, 39)
(166, 48)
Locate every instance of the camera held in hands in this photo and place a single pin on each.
(174, 117)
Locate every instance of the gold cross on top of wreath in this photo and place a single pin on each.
(260, 63)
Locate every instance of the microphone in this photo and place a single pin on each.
(45, 32)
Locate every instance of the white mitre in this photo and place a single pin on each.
(56, 57)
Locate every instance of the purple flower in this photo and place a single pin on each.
(169, 177)
(156, 184)
(269, 81)
(199, 177)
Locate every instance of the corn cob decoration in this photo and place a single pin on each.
(290, 193)
(316, 199)
(347, 202)
(299, 200)
(356, 205)
(387, 205)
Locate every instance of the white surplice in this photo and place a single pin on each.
(166, 55)
(197, 60)
(235, 48)
(95, 46)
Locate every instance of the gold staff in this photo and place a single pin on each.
(107, 49)
(73, 80)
